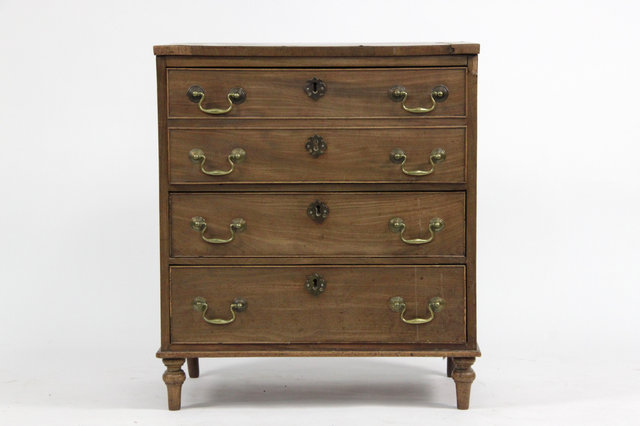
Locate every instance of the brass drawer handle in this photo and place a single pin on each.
(398, 156)
(438, 94)
(199, 224)
(237, 95)
(237, 156)
(200, 305)
(396, 225)
(397, 304)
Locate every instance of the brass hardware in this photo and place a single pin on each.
(397, 304)
(200, 305)
(316, 146)
(318, 211)
(398, 156)
(439, 93)
(199, 224)
(315, 284)
(396, 225)
(237, 156)
(315, 88)
(236, 95)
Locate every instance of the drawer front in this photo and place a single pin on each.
(319, 225)
(317, 155)
(354, 306)
(349, 93)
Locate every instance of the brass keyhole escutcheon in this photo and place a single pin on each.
(315, 284)
(318, 211)
(316, 146)
(315, 88)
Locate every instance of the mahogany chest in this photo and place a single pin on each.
(317, 201)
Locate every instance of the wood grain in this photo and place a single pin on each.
(174, 377)
(351, 93)
(318, 188)
(362, 261)
(307, 260)
(163, 210)
(314, 61)
(463, 376)
(471, 199)
(193, 365)
(352, 155)
(353, 308)
(392, 50)
(278, 225)
(223, 350)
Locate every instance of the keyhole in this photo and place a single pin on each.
(315, 87)
(318, 211)
(315, 283)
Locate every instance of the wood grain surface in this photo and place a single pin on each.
(350, 93)
(362, 261)
(352, 155)
(353, 308)
(314, 61)
(221, 350)
(390, 50)
(278, 224)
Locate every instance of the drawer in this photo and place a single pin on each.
(317, 155)
(354, 306)
(347, 93)
(319, 225)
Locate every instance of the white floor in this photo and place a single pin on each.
(102, 386)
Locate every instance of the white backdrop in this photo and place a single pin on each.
(558, 198)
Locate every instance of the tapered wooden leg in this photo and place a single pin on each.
(193, 365)
(174, 378)
(463, 375)
(449, 366)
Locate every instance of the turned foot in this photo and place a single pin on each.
(463, 375)
(193, 365)
(174, 378)
(449, 366)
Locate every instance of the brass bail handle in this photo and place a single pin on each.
(236, 156)
(437, 156)
(397, 225)
(199, 224)
(236, 95)
(438, 94)
(397, 304)
(200, 305)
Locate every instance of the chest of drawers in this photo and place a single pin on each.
(317, 201)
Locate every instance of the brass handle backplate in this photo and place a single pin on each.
(438, 94)
(398, 156)
(396, 224)
(200, 305)
(397, 304)
(236, 95)
(236, 156)
(199, 224)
